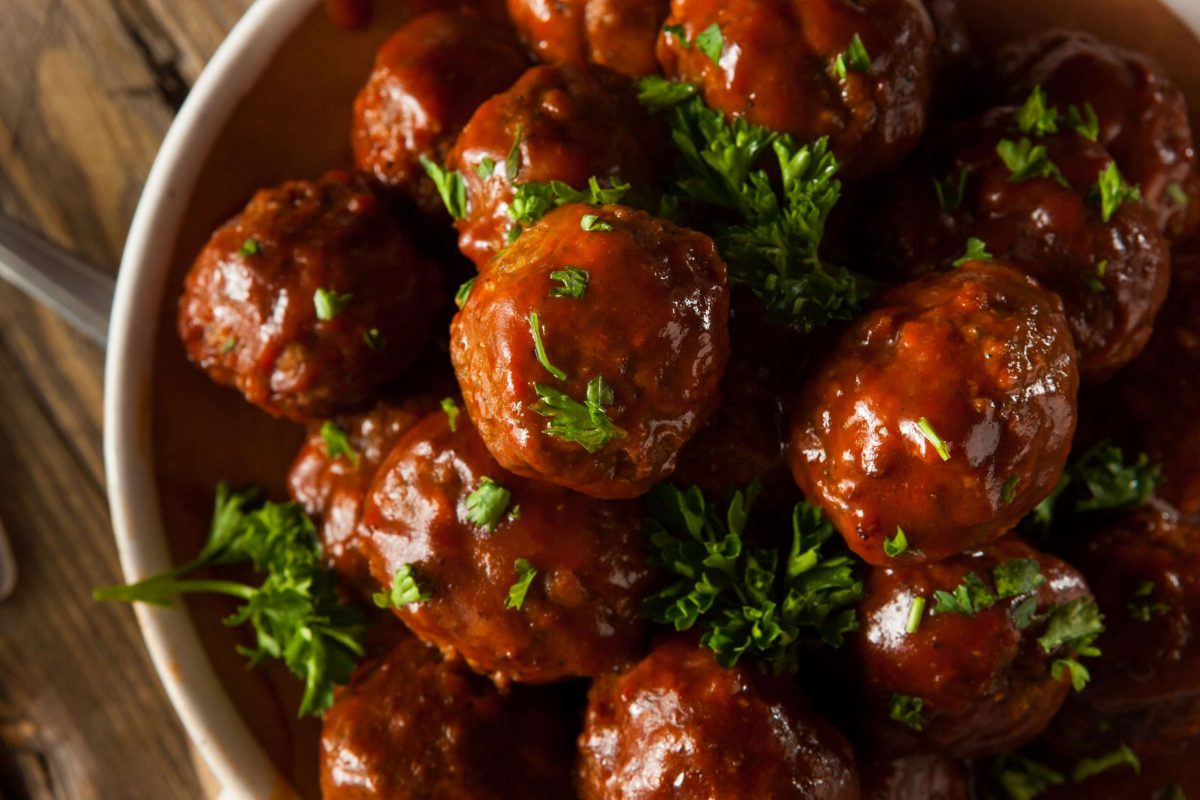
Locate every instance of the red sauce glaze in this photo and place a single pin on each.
(429, 78)
(248, 316)
(618, 34)
(983, 354)
(680, 726)
(1053, 232)
(1143, 115)
(573, 122)
(332, 490)
(776, 69)
(1150, 650)
(929, 776)
(653, 323)
(986, 685)
(580, 616)
(413, 726)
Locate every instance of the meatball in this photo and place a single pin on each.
(792, 66)
(429, 77)
(472, 535)
(624, 362)
(412, 726)
(618, 34)
(331, 486)
(1143, 115)
(309, 298)
(1111, 274)
(678, 725)
(1145, 570)
(967, 678)
(928, 776)
(568, 123)
(946, 413)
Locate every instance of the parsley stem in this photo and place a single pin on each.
(161, 589)
(535, 326)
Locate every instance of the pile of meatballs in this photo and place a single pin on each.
(1015, 320)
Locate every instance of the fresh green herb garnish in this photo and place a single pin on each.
(711, 42)
(976, 251)
(1017, 577)
(1177, 194)
(1084, 122)
(744, 600)
(534, 200)
(1095, 281)
(539, 347)
(1111, 191)
(916, 612)
(329, 303)
(656, 92)
(678, 32)
(951, 190)
(1087, 767)
(337, 442)
(516, 593)
(374, 339)
(1008, 492)
(931, 436)
(512, 163)
(452, 411)
(854, 59)
(251, 247)
(908, 711)
(1110, 482)
(464, 291)
(405, 590)
(486, 168)
(1026, 160)
(591, 222)
(450, 187)
(573, 280)
(1074, 626)
(487, 504)
(229, 344)
(1035, 117)
(1172, 792)
(1142, 606)
(1022, 778)
(295, 612)
(968, 598)
(895, 545)
(586, 424)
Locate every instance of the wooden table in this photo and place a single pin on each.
(87, 90)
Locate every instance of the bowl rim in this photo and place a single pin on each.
(206, 710)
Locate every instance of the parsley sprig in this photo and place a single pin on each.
(535, 199)
(747, 601)
(587, 423)
(295, 613)
(1099, 480)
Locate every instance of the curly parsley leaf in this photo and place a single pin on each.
(1111, 191)
(1073, 626)
(593, 224)
(405, 590)
(451, 187)
(586, 424)
(517, 592)
(747, 601)
(1013, 578)
(487, 504)
(908, 711)
(534, 200)
(976, 251)
(1036, 117)
(1111, 483)
(1025, 160)
(573, 283)
(295, 612)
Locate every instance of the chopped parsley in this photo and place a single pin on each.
(586, 424)
(1142, 606)
(337, 442)
(539, 347)
(711, 42)
(295, 611)
(854, 59)
(512, 163)
(592, 223)
(487, 504)
(908, 711)
(968, 598)
(573, 283)
(229, 344)
(405, 590)
(1022, 778)
(516, 593)
(450, 187)
(896, 545)
(1035, 117)
(464, 291)
(976, 251)
(452, 411)
(656, 92)
(374, 339)
(1012, 578)
(1172, 792)
(1177, 194)
(1073, 626)
(329, 304)
(1095, 280)
(916, 611)
(1087, 767)
(1016, 577)
(1008, 492)
(1025, 160)
(951, 190)
(747, 601)
(1110, 482)
(931, 436)
(773, 229)
(1084, 122)
(251, 247)
(1111, 191)
(485, 168)
(534, 200)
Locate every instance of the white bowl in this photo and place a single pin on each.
(273, 37)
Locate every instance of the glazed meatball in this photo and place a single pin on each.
(618, 34)
(471, 534)
(1145, 571)
(678, 725)
(412, 726)
(309, 298)
(624, 362)
(331, 486)
(947, 412)
(928, 776)
(1111, 274)
(429, 78)
(1143, 116)
(568, 123)
(778, 66)
(967, 684)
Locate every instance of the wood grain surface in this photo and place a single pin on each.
(87, 90)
